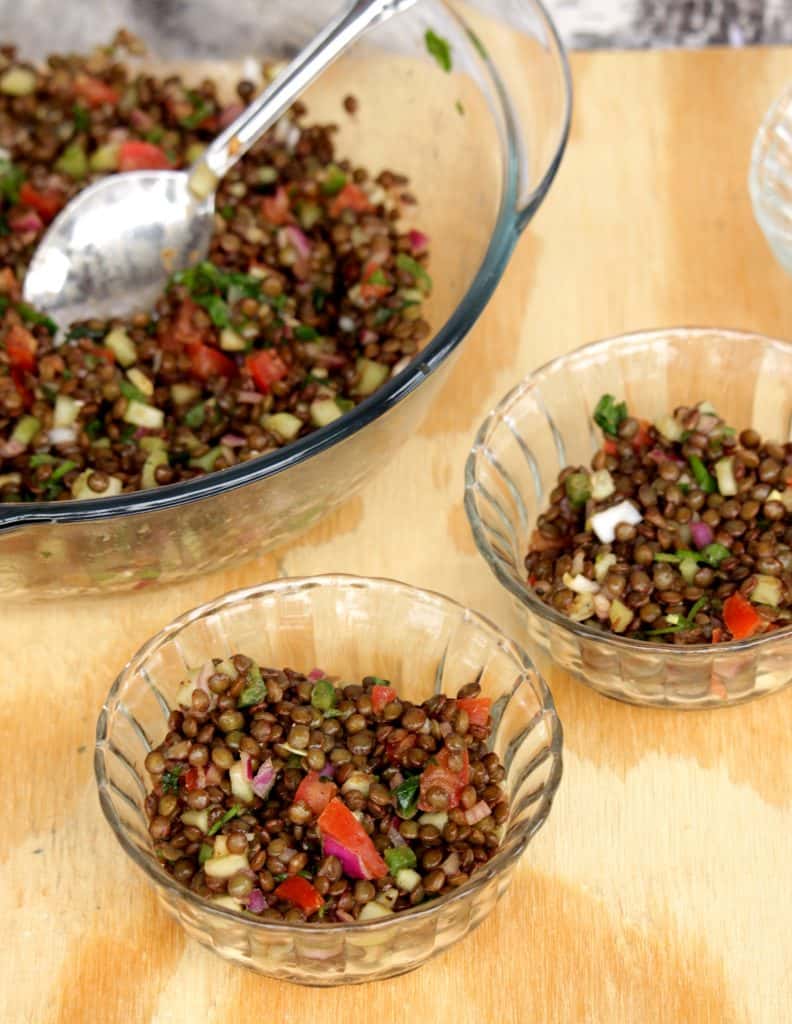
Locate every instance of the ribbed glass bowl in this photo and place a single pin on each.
(770, 177)
(352, 627)
(546, 423)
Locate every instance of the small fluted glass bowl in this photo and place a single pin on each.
(546, 423)
(352, 627)
(770, 177)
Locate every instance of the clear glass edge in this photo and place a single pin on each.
(510, 222)
(497, 566)
(500, 863)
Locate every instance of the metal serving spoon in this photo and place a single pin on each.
(112, 249)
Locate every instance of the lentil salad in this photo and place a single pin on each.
(294, 797)
(311, 296)
(680, 531)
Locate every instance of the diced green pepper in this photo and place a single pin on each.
(578, 488)
(399, 857)
(702, 475)
(323, 695)
(73, 161)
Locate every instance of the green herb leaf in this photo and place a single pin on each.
(234, 812)
(32, 316)
(702, 475)
(319, 298)
(81, 331)
(11, 179)
(713, 554)
(66, 466)
(411, 266)
(334, 181)
(439, 48)
(93, 428)
(134, 394)
(280, 877)
(609, 413)
(406, 796)
(201, 110)
(227, 212)
(41, 459)
(305, 333)
(82, 119)
(170, 779)
(217, 309)
(154, 135)
(323, 696)
(194, 417)
(399, 857)
(255, 691)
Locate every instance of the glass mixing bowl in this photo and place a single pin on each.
(545, 424)
(480, 160)
(352, 626)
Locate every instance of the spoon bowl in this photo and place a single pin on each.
(109, 252)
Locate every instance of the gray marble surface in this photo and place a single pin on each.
(215, 24)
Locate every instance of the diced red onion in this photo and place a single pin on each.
(328, 771)
(233, 440)
(256, 901)
(251, 397)
(331, 360)
(601, 606)
(9, 449)
(247, 768)
(418, 241)
(478, 812)
(446, 728)
(24, 222)
(229, 113)
(344, 915)
(212, 776)
(702, 534)
(263, 780)
(350, 862)
(143, 432)
(394, 835)
(141, 120)
(367, 336)
(300, 241)
(396, 780)
(316, 674)
(707, 423)
(205, 673)
(658, 455)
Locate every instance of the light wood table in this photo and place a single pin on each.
(660, 889)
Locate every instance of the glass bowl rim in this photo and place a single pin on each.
(496, 866)
(515, 586)
(505, 233)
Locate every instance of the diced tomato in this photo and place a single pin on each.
(315, 792)
(351, 197)
(94, 91)
(207, 361)
(380, 696)
(136, 155)
(610, 447)
(373, 289)
(741, 618)
(193, 778)
(301, 893)
(478, 709)
(276, 208)
(642, 438)
(21, 348)
(266, 367)
(46, 202)
(440, 776)
(183, 330)
(717, 635)
(103, 353)
(339, 823)
(24, 392)
(8, 283)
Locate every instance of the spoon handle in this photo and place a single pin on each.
(265, 110)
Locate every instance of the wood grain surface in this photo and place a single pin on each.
(660, 889)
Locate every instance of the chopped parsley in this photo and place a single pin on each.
(439, 48)
(609, 414)
(170, 779)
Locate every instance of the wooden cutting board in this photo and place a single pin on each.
(660, 888)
